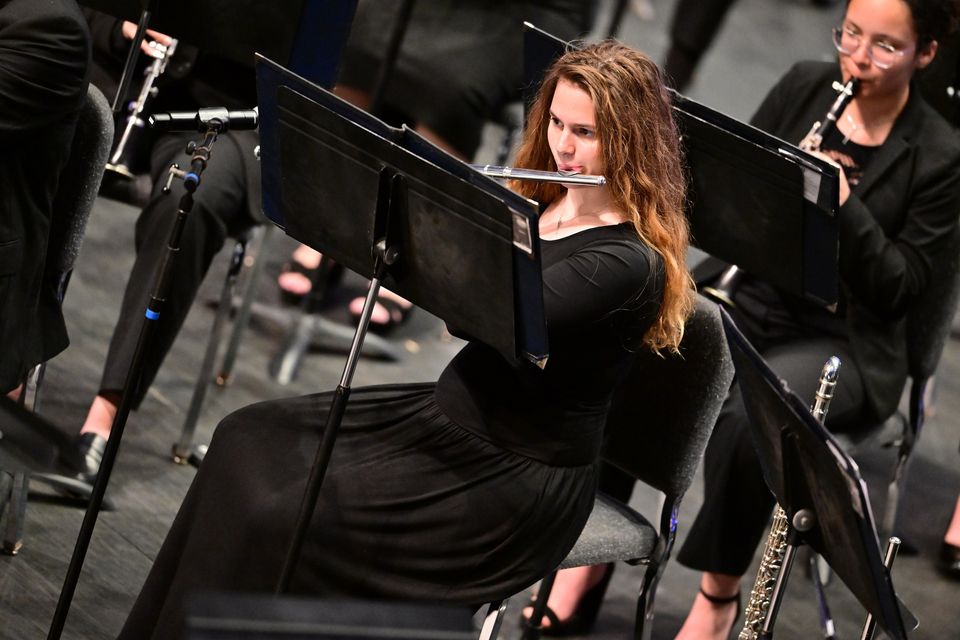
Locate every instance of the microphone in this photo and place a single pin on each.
(205, 118)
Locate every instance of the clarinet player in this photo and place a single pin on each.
(899, 202)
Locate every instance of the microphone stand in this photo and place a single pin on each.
(200, 156)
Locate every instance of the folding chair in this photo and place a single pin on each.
(657, 430)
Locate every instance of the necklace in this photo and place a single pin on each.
(854, 127)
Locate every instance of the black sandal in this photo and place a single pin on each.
(287, 296)
(583, 618)
(719, 601)
(398, 315)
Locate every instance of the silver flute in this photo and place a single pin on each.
(773, 560)
(562, 177)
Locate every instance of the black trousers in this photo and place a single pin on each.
(737, 503)
(220, 209)
(694, 25)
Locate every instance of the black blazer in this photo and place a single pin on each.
(44, 53)
(893, 227)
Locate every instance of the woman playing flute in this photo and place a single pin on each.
(472, 488)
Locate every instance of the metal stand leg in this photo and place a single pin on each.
(254, 260)
(182, 449)
(309, 329)
(870, 625)
(19, 486)
(493, 620)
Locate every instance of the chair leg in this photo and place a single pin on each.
(254, 259)
(16, 513)
(182, 449)
(30, 395)
(493, 620)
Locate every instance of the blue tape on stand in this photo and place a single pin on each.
(152, 315)
(192, 177)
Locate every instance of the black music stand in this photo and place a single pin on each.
(817, 484)
(392, 207)
(760, 202)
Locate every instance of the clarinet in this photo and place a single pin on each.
(731, 277)
(132, 136)
(775, 547)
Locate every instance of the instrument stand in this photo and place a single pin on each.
(309, 329)
(823, 499)
(191, 180)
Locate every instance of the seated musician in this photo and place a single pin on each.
(899, 202)
(44, 54)
(471, 488)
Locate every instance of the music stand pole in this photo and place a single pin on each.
(132, 56)
(191, 180)
(391, 196)
(803, 521)
(870, 624)
(390, 199)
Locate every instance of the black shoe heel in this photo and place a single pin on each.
(582, 619)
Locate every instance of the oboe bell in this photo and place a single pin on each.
(563, 177)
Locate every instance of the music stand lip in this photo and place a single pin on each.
(827, 481)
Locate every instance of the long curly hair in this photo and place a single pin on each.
(641, 152)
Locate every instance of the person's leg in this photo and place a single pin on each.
(949, 561)
(219, 208)
(694, 25)
(952, 536)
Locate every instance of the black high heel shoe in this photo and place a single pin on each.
(582, 619)
(949, 561)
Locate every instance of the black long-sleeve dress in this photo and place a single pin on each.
(463, 491)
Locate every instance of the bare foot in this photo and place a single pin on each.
(710, 620)
(100, 417)
(953, 531)
(568, 589)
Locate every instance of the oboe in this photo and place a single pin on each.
(122, 156)
(774, 550)
(730, 278)
(563, 177)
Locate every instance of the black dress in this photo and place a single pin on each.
(463, 491)
(44, 53)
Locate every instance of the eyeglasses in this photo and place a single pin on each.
(883, 54)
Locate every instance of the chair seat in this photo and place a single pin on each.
(613, 532)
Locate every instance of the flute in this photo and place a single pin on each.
(562, 177)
